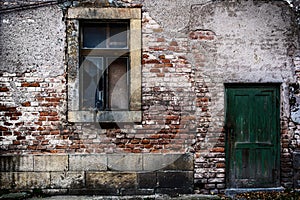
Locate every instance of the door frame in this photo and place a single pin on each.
(277, 87)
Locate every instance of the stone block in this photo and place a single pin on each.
(125, 162)
(50, 163)
(185, 162)
(175, 179)
(111, 181)
(88, 162)
(15, 163)
(146, 180)
(154, 162)
(24, 180)
(67, 180)
(5, 180)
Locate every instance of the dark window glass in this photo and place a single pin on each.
(118, 35)
(94, 36)
(105, 35)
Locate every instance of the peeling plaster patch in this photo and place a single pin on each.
(32, 38)
(163, 11)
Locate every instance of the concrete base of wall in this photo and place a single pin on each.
(99, 174)
(232, 192)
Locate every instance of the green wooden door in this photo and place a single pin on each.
(252, 127)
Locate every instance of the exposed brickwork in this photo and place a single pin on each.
(32, 112)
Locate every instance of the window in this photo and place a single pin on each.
(104, 64)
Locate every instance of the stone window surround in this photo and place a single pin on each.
(76, 14)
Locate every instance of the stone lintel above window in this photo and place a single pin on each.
(74, 17)
(104, 13)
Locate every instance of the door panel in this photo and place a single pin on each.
(252, 135)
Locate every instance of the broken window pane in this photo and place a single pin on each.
(91, 72)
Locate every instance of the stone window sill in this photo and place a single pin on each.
(105, 116)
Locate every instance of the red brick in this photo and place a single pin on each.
(160, 40)
(2, 128)
(17, 133)
(44, 142)
(220, 165)
(9, 109)
(40, 128)
(56, 132)
(38, 123)
(7, 124)
(145, 141)
(173, 43)
(148, 146)
(16, 114)
(19, 124)
(145, 56)
(168, 65)
(136, 151)
(193, 35)
(4, 89)
(172, 117)
(152, 61)
(135, 141)
(26, 104)
(43, 113)
(166, 61)
(75, 146)
(155, 136)
(32, 147)
(7, 133)
(218, 149)
(26, 84)
(155, 70)
(42, 119)
(61, 146)
(162, 57)
(131, 146)
(16, 142)
(21, 137)
(54, 99)
(53, 119)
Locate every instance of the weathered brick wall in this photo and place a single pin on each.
(241, 53)
(188, 54)
(33, 83)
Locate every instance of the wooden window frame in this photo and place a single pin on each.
(105, 53)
